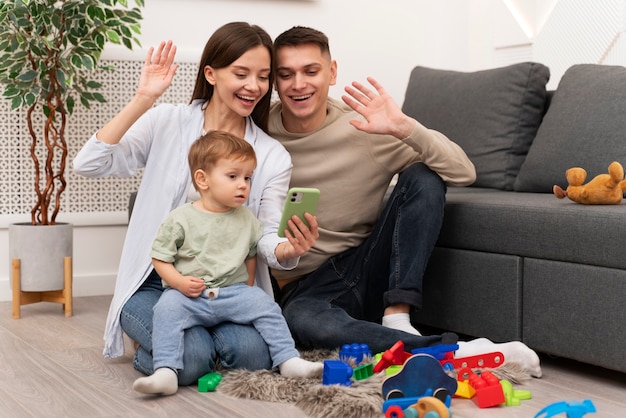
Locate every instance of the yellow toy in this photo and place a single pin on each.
(604, 189)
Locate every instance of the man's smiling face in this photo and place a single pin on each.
(303, 77)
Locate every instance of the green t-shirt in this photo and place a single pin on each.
(210, 246)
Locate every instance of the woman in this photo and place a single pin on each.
(232, 94)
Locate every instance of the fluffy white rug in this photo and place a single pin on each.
(361, 400)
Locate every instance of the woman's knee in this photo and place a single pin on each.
(136, 317)
(240, 346)
(199, 357)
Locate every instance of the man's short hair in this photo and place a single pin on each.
(301, 35)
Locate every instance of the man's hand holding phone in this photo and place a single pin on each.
(299, 223)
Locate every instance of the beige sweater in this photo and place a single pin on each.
(353, 169)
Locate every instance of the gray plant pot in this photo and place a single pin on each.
(41, 250)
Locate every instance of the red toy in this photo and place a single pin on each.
(394, 356)
(488, 389)
(487, 360)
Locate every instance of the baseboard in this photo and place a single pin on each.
(94, 285)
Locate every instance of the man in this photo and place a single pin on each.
(367, 265)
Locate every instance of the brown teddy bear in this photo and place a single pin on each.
(604, 189)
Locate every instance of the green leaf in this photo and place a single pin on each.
(77, 61)
(10, 92)
(60, 75)
(99, 97)
(84, 101)
(69, 103)
(93, 84)
(88, 62)
(16, 102)
(113, 37)
(27, 76)
(126, 32)
(100, 40)
(30, 99)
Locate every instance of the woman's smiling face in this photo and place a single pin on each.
(241, 85)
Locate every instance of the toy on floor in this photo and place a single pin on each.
(395, 356)
(603, 189)
(209, 382)
(513, 397)
(425, 407)
(488, 390)
(490, 360)
(419, 373)
(357, 352)
(337, 372)
(571, 409)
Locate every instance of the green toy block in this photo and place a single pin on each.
(512, 397)
(209, 382)
(391, 370)
(363, 372)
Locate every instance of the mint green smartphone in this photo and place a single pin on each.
(299, 200)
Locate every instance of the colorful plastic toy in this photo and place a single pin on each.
(464, 390)
(363, 371)
(357, 351)
(488, 390)
(419, 374)
(440, 351)
(393, 369)
(571, 409)
(512, 397)
(394, 412)
(394, 356)
(404, 403)
(425, 407)
(488, 360)
(209, 382)
(429, 407)
(336, 372)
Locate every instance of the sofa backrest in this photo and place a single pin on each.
(493, 114)
(585, 126)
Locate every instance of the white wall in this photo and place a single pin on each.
(368, 38)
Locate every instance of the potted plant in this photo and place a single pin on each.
(50, 48)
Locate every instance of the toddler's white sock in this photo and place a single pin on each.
(163, 381)
(514, 351)
(401, 322)
(297, 367)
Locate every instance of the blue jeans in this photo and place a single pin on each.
(231, 345)
(239, 303)
(343, 301)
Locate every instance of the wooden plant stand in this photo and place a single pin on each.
(63, 296)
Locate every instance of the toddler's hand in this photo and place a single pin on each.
(192, 287)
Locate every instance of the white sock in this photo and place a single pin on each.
(514, 351)
(297, 367)
(163, 381)
(401, 322)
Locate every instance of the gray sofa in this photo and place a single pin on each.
(512, 261)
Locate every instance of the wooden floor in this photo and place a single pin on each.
(52, 366)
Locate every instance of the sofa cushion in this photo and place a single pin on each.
(585, 126)
(535, 225)
(492, 114)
